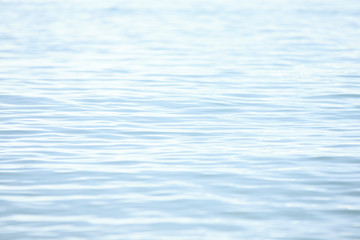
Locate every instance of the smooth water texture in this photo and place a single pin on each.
(180, 120)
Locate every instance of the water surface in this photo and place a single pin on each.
(179, 120)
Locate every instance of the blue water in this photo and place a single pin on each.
(180, 120)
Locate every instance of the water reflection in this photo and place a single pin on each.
(187, 120)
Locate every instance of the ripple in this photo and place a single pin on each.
(149, 120)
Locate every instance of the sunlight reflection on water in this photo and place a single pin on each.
(179, 120)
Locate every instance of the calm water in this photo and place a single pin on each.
(180, 120)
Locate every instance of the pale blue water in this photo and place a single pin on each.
(180, 120)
